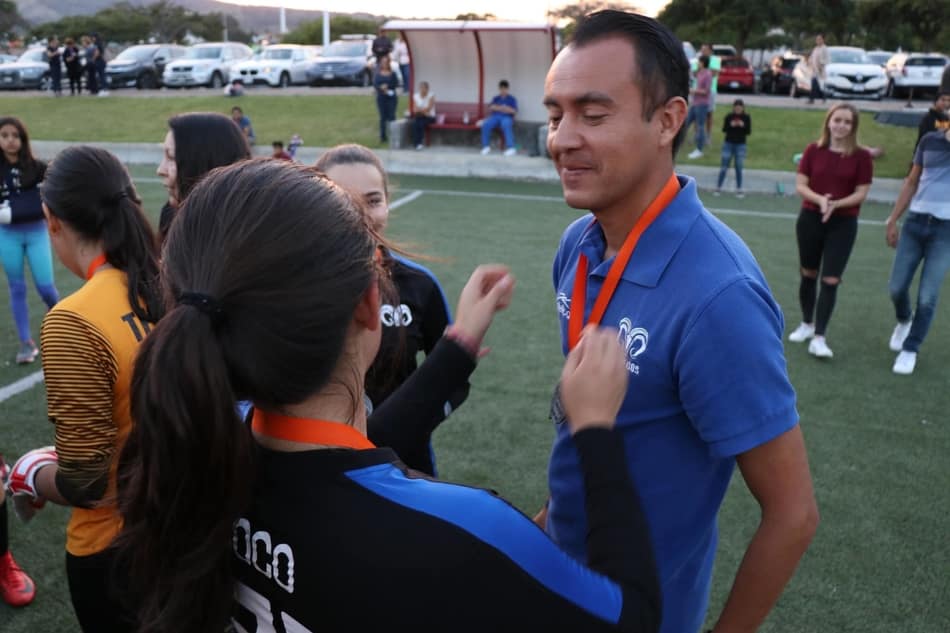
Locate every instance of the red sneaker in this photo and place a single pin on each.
(16, 588)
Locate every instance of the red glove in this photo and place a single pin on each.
(22, 481)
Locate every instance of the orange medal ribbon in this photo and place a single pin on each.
(96, 263)
(308, 431)
(575, 324)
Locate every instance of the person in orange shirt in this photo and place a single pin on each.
(89, 342)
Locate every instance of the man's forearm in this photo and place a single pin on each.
(766, 568)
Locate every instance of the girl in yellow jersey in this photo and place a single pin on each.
(89, 341)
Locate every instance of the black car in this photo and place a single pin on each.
(777, 78)
(141, 66)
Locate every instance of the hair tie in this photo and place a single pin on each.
(205, 304)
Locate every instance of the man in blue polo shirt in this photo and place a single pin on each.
(503, 109)
(709, 387)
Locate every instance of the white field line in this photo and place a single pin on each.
(21, 385)
(405, 200)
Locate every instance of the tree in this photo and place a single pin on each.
(722, 20)
(570, 14)
(312, 32)
(10, 17)
(926, 18)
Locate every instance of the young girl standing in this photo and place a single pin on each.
(833, 179)
(89, 341)
(23, 230)
(413, 322)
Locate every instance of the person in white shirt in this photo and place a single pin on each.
(401, 56)
(423, 113)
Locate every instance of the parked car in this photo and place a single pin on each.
(29, 71)
(850, 73)
(724, 50)
(919, 72)
(880, 57)
(347, 61)
(205, 65)
(278, 65)
(736, 74)
(7, 59)
(777, 77)
(142, 66)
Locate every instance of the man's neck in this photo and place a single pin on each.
(616, 222)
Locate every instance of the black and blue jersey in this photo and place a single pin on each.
(361, 543)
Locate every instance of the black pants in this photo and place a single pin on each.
(816, 92)
(824, 247)
(419, 124)
(75, 82)
(92, 78)
(93, 585)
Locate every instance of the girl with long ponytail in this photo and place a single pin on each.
(298, 522)
(89, 341)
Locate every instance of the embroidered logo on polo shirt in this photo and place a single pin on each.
(564, 305)
(395, 316)
(634, 341)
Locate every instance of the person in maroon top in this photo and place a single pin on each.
(833, 179)
(279, 151)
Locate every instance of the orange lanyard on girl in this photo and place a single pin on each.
(96, 263)
(305, 430)
(579, 296)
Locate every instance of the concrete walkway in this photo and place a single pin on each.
(468, 163)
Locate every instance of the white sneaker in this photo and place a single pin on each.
(740, 194)
(819, 348)
(419, 148)
(802, 333)
(717, 192)
(905, 362)
(901, 330)
(511, 151)
(695, 154)
(485, 150)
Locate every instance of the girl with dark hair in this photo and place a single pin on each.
(834, 177)
(417, 318)
(23, 229)
(73, 66)
(89, 341)
(196, 143)
(387, 99)
(298, 516)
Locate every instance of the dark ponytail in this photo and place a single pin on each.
(90, 190)
(262, 270)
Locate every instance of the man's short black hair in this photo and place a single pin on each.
(503, 83)
(662, 70)
(279, 144)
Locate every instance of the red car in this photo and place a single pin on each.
(736, 74)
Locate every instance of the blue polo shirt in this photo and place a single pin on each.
(507, 100)
(708, 381)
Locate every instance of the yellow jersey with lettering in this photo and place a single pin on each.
(89, 341)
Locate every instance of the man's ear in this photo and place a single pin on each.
(672, 115)
(367, 310)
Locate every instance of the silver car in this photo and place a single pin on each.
(205, 65)
(29, 71)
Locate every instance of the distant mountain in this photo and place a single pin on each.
(254, 19)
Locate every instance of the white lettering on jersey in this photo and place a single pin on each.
(634, 340)
(274, 561)
(260, 607)
(395, 316)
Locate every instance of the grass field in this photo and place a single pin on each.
(878, 443)
(326, 120)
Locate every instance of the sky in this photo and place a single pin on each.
(520, 10)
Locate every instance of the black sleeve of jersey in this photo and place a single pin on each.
(435, 321)
(614, 513)
(415, 409)
(725, 122)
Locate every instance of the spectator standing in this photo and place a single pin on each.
(244, 123)
(833, 179)
(54, 54)
(715, 66)
(502, 111)
(924, 242)
(937, 117)
(294, 145)
(386, 83)
(700, 97)
(818, 64)
(401, 53)
(423, 113)
(709, 387)
(738, 126)
(73, 66)
(382, 46)
(91, 53)
(100, 63)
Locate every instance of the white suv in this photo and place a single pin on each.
(919, 72)
(278, 65)
(205, 65)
